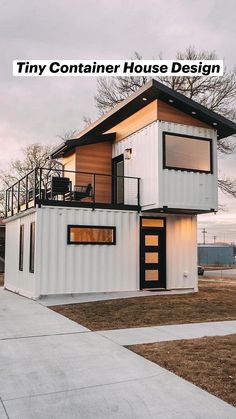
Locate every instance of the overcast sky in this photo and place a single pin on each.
(39, 109)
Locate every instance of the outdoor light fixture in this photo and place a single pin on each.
(171, 101)
(128, 153)
(193, 113)
(214, 123)
(144, 99)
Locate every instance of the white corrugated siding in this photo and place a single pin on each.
(172, 188)
(187, 190)
(87, 268)
(181, 252)
(61, 268)
(22, 282)
(143, 164)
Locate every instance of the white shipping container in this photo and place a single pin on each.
(177, 189)
(62, 268)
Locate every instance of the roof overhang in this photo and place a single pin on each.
(146, 94)
(69, 145)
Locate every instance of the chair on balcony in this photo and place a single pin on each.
(60, 186)
(80, 192)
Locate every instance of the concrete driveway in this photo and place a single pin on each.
(224, 273)
(50, 367)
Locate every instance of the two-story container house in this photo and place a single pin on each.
(121, 214)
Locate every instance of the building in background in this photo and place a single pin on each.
(217, 254)
(2, 246)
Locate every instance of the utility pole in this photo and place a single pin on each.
(214, 238)
(204, 232)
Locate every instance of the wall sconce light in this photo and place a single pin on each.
(128, 153)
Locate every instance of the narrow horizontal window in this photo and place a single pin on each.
(152, 222)
(187, 153)
(32, 247)
(91, 234)
(21, 248)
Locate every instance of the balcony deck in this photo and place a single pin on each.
(54, 187)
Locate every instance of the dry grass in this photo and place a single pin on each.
(216, 300)
(209, 362)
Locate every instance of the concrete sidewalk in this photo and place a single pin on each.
(135, 336)
(50, 367)
(51, 300)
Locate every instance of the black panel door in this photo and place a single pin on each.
(153, 257)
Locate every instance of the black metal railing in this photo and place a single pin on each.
(67, 187)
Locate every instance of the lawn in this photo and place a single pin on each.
(216, 300)
(209, 362)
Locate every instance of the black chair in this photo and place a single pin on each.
(60, 186)
(81, 192)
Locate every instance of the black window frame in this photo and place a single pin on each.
(165, 166)
(21, 247)
(32, 247)
(113, 228)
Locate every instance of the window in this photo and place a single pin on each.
(32, 247)
(21, 248)
(152, 222)
(91, 235)
(187, 153)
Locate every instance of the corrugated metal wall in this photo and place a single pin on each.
(181, 250)
(98, 268)
(87, 268)
(61, 268)
(182, 189)
(22, 282)
(172, 188)
(218, 255)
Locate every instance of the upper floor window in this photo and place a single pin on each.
(182, 152)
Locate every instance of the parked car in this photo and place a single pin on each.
(200, 270)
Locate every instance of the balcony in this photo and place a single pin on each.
(54, 187)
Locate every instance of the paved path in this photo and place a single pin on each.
(51, 300)
(135, 336)
(225, 273)
(52, 368)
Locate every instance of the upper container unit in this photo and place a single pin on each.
(177, 164)
(155, 151)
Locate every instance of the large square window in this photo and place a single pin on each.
(181, 152)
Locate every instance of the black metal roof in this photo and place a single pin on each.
(138, 100)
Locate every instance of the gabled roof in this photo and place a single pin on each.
(138, 100)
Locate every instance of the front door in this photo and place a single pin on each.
(118, 179)
(152, 253)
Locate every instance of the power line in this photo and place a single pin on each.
(204, 232)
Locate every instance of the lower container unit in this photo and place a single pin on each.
(62, 250)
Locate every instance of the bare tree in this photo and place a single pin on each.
(87, 121)
(227, 185)
(216, 93)
(34, 155)
(112, 90)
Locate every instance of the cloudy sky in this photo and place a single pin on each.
(40, 109)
